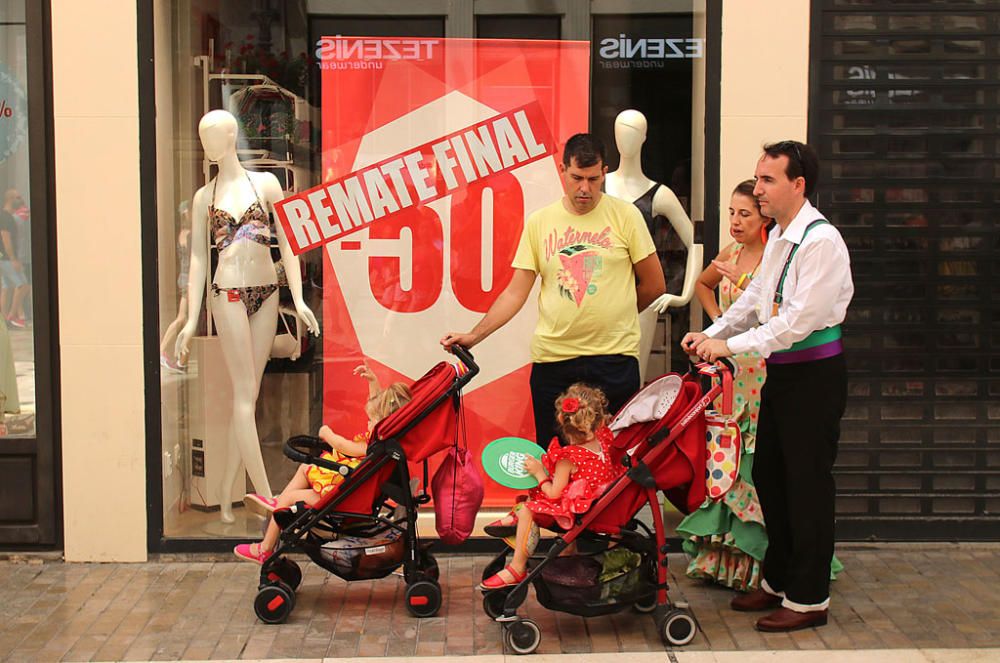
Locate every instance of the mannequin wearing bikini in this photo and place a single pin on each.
(653, 200)
(234, 209)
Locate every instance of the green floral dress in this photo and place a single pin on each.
(726, 540)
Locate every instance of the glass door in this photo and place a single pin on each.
(28, 476)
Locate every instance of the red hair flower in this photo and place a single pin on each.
(570, 405)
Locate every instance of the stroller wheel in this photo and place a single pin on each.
(677, 628)
(646, 605)
(274, 603)
(423, 598)
(288, 572)
(522, 636)
(493, 602)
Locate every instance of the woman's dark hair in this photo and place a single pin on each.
(745, 188)
(802, 161)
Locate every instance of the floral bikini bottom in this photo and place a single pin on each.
(253, 297)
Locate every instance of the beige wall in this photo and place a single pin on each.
(95, 109)
(765, 85)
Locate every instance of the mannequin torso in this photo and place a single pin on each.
(631, 184)
(242, 208)
(242, 262)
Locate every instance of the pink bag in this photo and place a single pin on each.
(457, 488)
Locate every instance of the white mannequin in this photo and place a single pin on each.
(246, 339)
(630, 183)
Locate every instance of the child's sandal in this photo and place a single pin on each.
(245, 552)
(506, 526)
(496, 582)
(262, 506)
(503, 527)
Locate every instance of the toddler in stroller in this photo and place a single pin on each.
(659, 442)
(366, 527)
(569, 478)
(313, 482)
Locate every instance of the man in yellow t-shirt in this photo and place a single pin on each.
(599, 268)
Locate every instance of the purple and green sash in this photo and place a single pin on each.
(820, 344)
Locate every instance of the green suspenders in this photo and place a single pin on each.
(788, 261)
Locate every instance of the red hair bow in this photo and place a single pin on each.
(570, 405)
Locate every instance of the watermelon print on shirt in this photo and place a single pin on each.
(581, 264)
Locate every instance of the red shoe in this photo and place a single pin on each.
(245, 552)
(506, 526)
(496, 582)
(502, 527)
(262, 506)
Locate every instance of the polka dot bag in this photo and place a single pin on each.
(724, 444)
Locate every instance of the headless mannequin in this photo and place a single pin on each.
(245, 335)
(630, 183)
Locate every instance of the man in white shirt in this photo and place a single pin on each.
(791, 314)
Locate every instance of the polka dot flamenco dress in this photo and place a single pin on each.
(726, 540)
(593, 472)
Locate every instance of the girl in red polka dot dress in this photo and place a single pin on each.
(570, 477)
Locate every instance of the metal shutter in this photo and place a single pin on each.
(904, 100)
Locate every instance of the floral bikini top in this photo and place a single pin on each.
(254, 223)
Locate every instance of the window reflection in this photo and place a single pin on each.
(17, 354)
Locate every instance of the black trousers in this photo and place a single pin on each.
(797, 434)
(616, 375)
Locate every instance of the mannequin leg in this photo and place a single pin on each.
(241, 342)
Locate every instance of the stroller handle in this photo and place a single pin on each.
(466, 358)
(726, 362)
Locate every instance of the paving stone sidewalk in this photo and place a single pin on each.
(201, 607)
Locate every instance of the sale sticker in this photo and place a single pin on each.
(434, 153)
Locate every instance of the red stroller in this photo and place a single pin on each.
(661, 442)
(354, 532)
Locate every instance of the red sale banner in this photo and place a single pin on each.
(434, 152)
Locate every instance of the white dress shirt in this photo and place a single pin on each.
(817, 289)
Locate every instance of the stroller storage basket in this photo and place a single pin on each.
(364, 558)
(598, 584)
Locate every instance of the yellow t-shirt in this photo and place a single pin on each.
(587, 302)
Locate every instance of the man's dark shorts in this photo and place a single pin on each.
(616, 375)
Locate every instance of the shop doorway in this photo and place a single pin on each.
(29, 473)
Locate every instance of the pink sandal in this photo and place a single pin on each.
(245, 552)
(262, 506)
(496, 582)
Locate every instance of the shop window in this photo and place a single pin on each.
(17, 337)
(518, 27)
(646, 63)
(378, 293)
